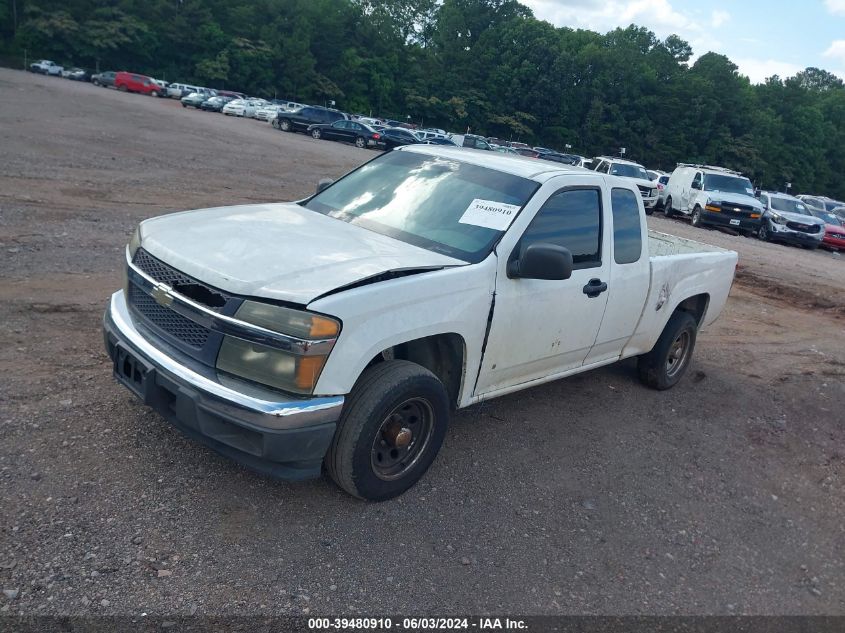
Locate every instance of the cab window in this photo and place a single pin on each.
(627, 233)
(572, 219)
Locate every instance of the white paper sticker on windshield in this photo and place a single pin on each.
(489, 214)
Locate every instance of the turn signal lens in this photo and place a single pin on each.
(307, 371)
(755, 215)
(710, 207)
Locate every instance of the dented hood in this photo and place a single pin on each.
(278, 251)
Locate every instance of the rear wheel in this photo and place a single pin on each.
(95, 82)
(122, 88)
(360, 142)
(316, 133)
(667, 208)
(390, 431)
(668, 361)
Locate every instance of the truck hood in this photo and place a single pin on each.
(278, 251)
(737, 198)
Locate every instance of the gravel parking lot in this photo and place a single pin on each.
(592, 495)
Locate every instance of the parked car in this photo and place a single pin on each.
(662, 181)
(527, 152)
(440, 140)
(425, 135)
(231, 93)
(104, 79)
(177, 90)
(164, 86)
(634, 172)
(215, 104)
(46, 67)
(76, 74)
(557, 157)
(397, 137)
(133, 82)
(655, 174)
(787, 219)
(455, 276)
(505, 150)
(472, 141)
(545, 150)
(196, 99)
(300, 120)
(713, 196)
(238, 107)
(268, 112)
(834, 229)
(347, 131)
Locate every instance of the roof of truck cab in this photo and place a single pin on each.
(531, 168)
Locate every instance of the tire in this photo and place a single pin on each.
(361, 459)
(95, 82)
(811, 247)
(649, 210)
(316, 133)
(667, 208)
(154, 93)
(667, 363)
(284, 126)
(275, 123)
(122, 88)
(763, 232)
(696, 217)
(360, 142)
(184, 105)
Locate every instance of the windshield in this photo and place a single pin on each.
(445, 206)
(789, 205)
(628, 171)
(728, 184)
(829, 218)
(830, 205)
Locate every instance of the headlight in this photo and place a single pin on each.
(778, 219)
(270, 366)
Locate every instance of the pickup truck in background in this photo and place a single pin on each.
(342, 329)
(46, 67)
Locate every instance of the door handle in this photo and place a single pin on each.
(594, 288)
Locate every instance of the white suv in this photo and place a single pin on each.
(631, 171)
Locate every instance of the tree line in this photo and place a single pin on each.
(488, 66)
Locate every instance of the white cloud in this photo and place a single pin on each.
(719, 17)
(836, 51)
(836, 7)
(758, 70)
(658, 16)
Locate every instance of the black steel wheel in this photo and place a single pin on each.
(668, 361)
(391, 428)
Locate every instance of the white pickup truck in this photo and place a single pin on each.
(46, 67)
(342, 329)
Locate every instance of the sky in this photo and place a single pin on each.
(779, 37)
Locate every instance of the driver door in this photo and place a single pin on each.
(541, 328)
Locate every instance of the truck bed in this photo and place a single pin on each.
(681, 268)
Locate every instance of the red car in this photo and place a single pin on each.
(834, 237)
(131, 82)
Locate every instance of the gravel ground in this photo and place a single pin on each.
(592, 495)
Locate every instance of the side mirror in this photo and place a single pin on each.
(324, 182)
(542, 261)
(695, 185)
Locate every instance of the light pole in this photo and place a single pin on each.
(788, 186)
(622, 151)
(567, 147)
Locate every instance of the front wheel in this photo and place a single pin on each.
(667, 208)
(668, 361)
(696, 217)
(154, 93)
(360, 142)
(284, 125)
(390, 430)
(763, 232)
(316, 133)
(95, 82)
(122, 88)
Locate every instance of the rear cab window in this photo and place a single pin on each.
(627, 231)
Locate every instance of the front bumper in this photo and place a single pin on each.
(280, 436)
(781, 233)
(833, 241)
(650, 203)
(732, 222)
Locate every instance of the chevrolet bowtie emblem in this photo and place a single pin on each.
(161, 294)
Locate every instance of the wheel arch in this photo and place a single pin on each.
(695, 305)
(444, 355)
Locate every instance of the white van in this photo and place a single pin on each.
(715, 196)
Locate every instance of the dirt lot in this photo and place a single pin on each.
(592, 495)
